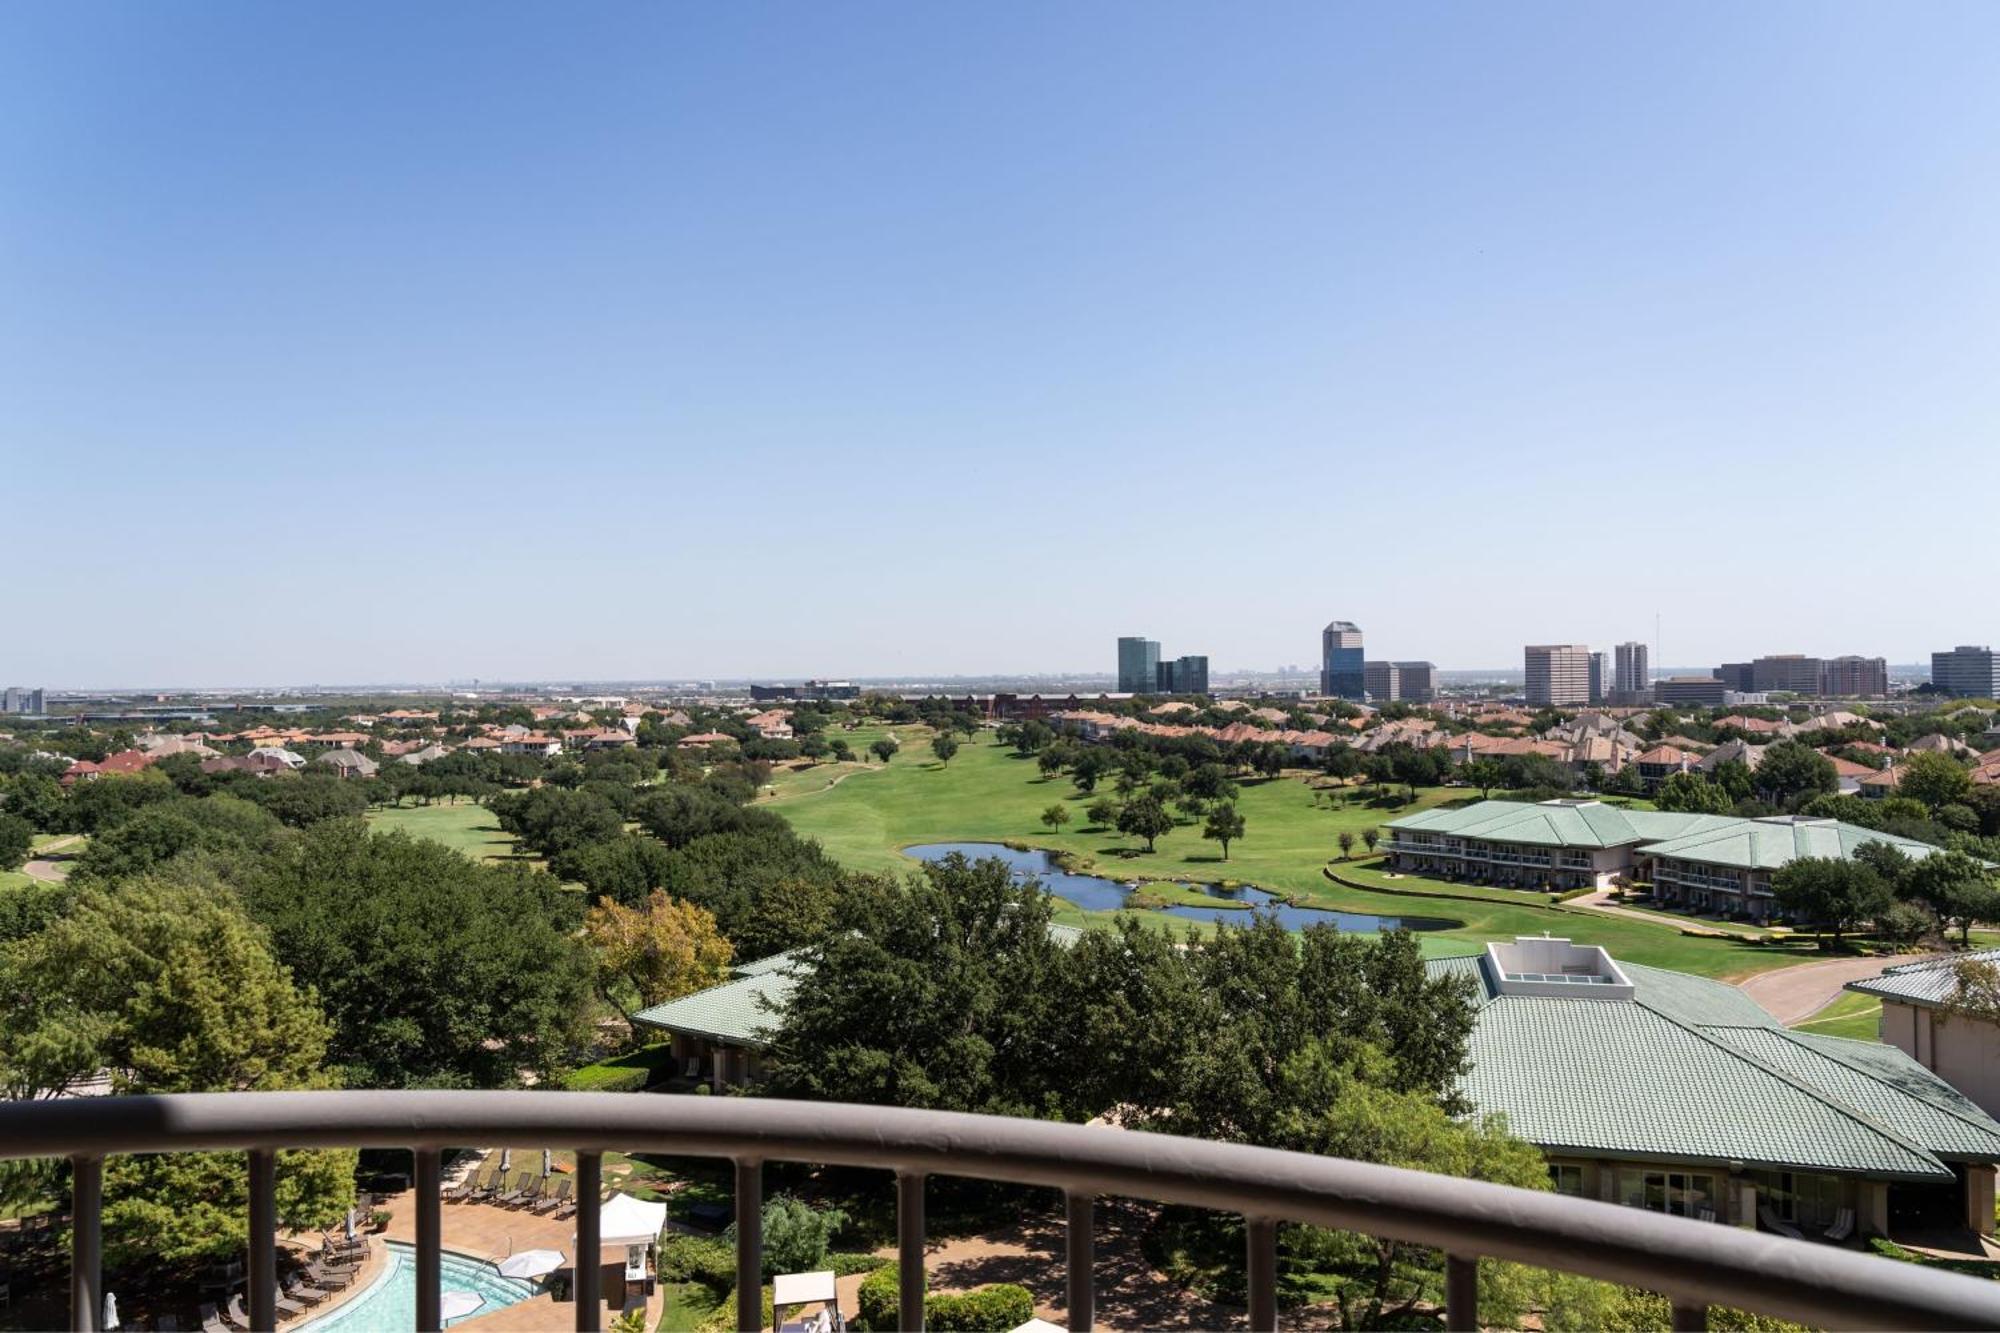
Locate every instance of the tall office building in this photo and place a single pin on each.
(1383, 682)
(1631, 673)
(1600, 676)
(1340, 661)
(1416, 682)
(18, 700)
(1792, 673)
(1967, 672)
(1182, 675)
(1558, 674)
(1737, 677)
(1138, 665)
(1853, 677)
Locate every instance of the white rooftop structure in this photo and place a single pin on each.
(1556, 969)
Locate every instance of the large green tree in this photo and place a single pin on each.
(1933, 778)
(1792, 773)
(1831, 894)
(436, 970)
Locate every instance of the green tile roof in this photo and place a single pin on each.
(1929, 983)
(736, 1013)
(1694, 1070)
(1727, 840)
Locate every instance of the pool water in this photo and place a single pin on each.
(389, 1305)
(1094, 893)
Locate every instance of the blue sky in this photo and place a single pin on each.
(358, 342)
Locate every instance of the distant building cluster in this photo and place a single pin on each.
(1346, 673)
(813, 691)
(1142, 669)
(15, 699)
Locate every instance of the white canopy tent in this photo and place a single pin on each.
(633, 1223)
(789, 1289)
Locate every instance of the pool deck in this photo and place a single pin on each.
(487, 1232)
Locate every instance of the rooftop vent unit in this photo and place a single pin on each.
(1556, 969)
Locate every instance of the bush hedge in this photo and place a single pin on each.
(634, 1071)
(1003, 1305)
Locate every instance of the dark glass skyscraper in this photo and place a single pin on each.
(1342, 672)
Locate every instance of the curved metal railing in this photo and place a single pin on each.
(1695, 1264)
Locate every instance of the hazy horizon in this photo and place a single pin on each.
(377, 343)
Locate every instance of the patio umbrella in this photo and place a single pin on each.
(545, 1161)
(531, 1263)
(349, 1225)
(506, 1160)
(110, 1310)
(458, 1304)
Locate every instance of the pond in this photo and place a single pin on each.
(1094, 893)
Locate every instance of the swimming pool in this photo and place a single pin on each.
(390, 1303)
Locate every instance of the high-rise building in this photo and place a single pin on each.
(1182, 675)
(1340, 661)
(1138, 665)
(1792, 673)
(1691, 691)
(1967, 672)
(1383, 682)
(1853, 677)
(1416, 681)
(1737, 677)
(18, 700)
(1558, 674)
(1600, 676)
(1631, 673)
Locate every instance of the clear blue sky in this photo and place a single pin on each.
(352, 342)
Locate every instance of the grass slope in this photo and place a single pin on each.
(988, 794)
(464, 827)
(1852, 1015)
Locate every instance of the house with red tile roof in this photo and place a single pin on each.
(1662, 762)
(702, 739)
(120, 765)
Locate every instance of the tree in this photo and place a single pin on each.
(842, 752)
(1049, 762)
(1102, 812)
(885, 748)
(1087, 768)
(435, 970)
(1144, 817)
(944, 747)
(1225, 825)
(1346, 841)
(659, 952)
(1691, 793)
(1957, 888)
(1485, 774)
(1831, 894)
(17, 838)
(1792, 773)
(939, 992)
(795, 1234)
(1369, 837)
(1934, 778)
(1055, 817)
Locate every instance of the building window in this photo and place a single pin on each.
(1800, 1198)
(1567, 1179)
(1681, 1193)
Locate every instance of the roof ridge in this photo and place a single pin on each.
(1798, 1039)
(1851, 1113)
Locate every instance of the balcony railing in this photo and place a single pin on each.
(1695, 1264)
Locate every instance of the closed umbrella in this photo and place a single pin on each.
(349, 1224)
(545, 1162)
(458, 1304)
(110, 1310)
(531, 1263)
(506, 1160)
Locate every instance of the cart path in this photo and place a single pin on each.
(1794, 994)
(47, 868)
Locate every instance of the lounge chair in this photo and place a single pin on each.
(474, 1181)
(523, 1190)
(303, 1291)
(287, 1308)
(1843, 1225)
(211, 1319)
(235, 1314)
(330, 1279)
(566, 1208)
(554, 1199)
(1772, 1222)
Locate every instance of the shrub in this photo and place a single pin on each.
(1003, 1305)
(723, 1317)
(709, 1261)
(633, 1071)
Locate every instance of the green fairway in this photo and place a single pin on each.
(1852, 1015)
(464, 827)
(988, 794)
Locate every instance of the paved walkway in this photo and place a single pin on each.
(1794, 994)
(50, 869)
(1600, 901)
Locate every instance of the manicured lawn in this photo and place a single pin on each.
(14, 879)
(988, 794)
(465, 827)
(1856, 1016)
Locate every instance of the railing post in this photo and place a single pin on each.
(430, 1240)
(1080, 1262)
(1461, 1294)
(910, 1252)
(1689, 1318)
(86, 1253)
(262, 1270)
(749, 1246)
(1262, 1236)
(589, 1246)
